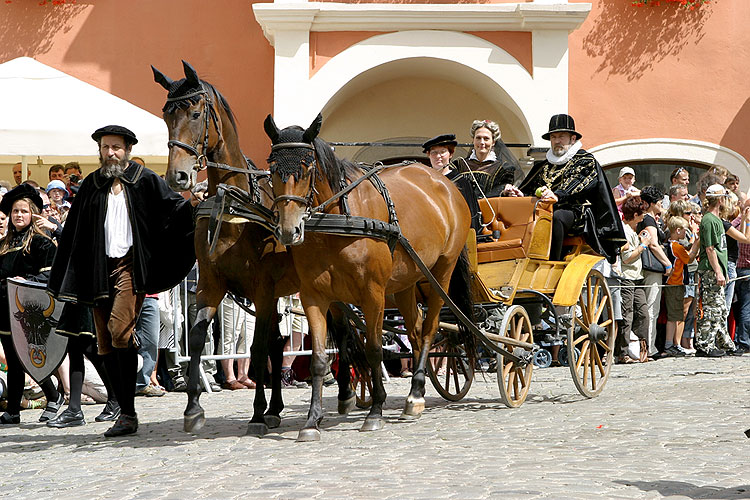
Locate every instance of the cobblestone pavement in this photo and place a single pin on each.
(672, 428)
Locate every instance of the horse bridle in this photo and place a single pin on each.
(305, 201)
(209, 113)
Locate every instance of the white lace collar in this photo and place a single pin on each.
(560, 160)
(490, 157)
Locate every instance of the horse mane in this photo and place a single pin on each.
(337, 170)
(182, 87)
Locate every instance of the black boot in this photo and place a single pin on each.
(68, 418)
(125, 425)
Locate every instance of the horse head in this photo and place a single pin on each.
(293, 169)
(194, 123)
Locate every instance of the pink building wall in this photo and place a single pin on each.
(634, 72)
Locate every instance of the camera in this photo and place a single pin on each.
(75, 178)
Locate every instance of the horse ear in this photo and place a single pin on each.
(162, 79)
(272, 131)
(190, 73)
(313, 130)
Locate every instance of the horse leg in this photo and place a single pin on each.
(194, 417)
(276, 345)
(373, 313)
(315, 310)
(343, 336)
(406, 302)
(264, 308)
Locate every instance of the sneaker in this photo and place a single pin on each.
(180, 385)
(675, 351)
(110, 413)
(288, 380)
(711, 353)
(737, 352)
(150, 391)
(52, 408)
(67, 418)
(125, 424)
(8, 419)
(689, 351)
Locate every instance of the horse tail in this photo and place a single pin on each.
(346, 339)
(460, 292)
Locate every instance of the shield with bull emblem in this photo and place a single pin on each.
(33, 318)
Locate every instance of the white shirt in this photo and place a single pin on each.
(118, 234)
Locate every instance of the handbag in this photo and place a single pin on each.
(650, 262)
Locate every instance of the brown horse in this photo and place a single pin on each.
(432, 215)
(247, 260)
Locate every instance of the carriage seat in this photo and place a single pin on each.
(525, 228)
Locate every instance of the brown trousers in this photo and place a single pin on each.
(115, 316)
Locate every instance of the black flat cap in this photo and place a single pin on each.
(21, 191)
(127, 134)
(441, 140)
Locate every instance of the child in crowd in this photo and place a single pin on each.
(674, 294)
(625, 189)
(733, 186)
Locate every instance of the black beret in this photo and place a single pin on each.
(441, 140)
(127, 134)
(21, 191)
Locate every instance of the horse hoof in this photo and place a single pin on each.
(372, 424)
(308, 435)
(272, 421)
(257, 429)
(405, 416)
(414, 407)
(346, 405)
(194, 422)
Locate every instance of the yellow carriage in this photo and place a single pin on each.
(512, 273)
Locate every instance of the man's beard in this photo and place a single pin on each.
(113, 168)
(561, 149)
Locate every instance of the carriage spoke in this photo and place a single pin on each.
(584, 309)
(606, 323)
(455, 375)
(581, 323)
(588, 295)
(598, 360)
(582, 356)
(517, 328)
(604, 345)
(511, 377)
(593, 368)
(580, 339)
(506, 368)
(515, 385)
(521, 376)
(600, 309)
(585, 359)
(594, 297)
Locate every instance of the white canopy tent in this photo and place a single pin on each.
(48, 117)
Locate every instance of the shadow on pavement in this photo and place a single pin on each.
(672, 488)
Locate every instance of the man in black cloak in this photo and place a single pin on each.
(127, 234)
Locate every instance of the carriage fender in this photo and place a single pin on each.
(569, 287)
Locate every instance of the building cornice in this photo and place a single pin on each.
(327, 16)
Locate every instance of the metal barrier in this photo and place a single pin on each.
(180, 301)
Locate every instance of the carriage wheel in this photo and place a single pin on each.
(362, 386)
(450, 371)
(514, 378)
(593, 332)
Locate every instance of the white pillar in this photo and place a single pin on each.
(291, 76)
(550, 56)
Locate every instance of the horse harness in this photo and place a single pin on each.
(342, 224)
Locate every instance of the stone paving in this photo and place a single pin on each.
(672, 428)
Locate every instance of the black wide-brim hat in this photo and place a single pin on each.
(126, 133)
(441, 140)
(21, 191)
(562, 123)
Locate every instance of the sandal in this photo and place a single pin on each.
(625, 360)
(247, 383)
(33, 404)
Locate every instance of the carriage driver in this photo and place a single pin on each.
(127, 234)
(572, 179)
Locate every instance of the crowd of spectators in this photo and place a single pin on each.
(682, 255)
